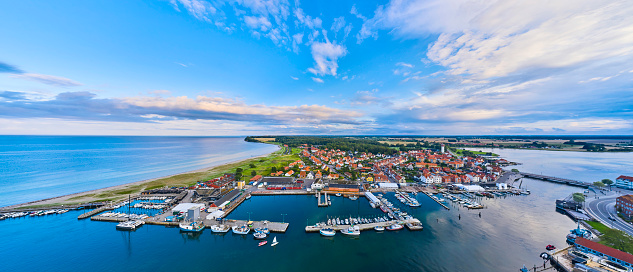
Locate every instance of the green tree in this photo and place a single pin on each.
(598, 184)
(253, 173)
(578, 197)
(514, 170)
(252, 165)
(607, 181)
(273, 169)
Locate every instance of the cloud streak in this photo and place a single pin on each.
(49, 80)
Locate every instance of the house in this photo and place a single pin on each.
(318, 175)
(302, 174)
(290, 173)
(310, 175)
(624, 204)
(256, 178)
(600, 250)
(624, 182)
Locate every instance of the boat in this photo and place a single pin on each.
(259, 235)
(379, 228)
(354, 231)
(524, 269)
(577, 232)
(262, 230)
(353, 198)
(338, 221)
(545, 256)
(274, 241)
(248, 196)
(191, 227)
(550, 247)
(394, 227)
(327, 232)
(130, 225)
(241, 230)
(346, 221)
(262, 243)
(220, 228)
(338, 194)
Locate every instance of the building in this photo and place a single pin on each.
(624, 204)
(600, 250)
(624, 182)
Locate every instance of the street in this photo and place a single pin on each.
(604, 208)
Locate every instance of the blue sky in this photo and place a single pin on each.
(433, 67)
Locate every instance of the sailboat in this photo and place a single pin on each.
(274, 241)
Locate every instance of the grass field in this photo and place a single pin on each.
(597, 226)
(460, 152)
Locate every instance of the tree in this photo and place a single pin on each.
(252, 165)
(514, 170)
(273, 169)
(607, 181)
(598, 184)
(253, 173)
(578, 197)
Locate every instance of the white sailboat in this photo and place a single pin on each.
(274, 241)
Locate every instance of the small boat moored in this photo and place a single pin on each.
(394, 227)
(328, 232)
(354, 231)
(241, 230)
(379, 228)
(220, 228)
(259, 235)
(191, 227)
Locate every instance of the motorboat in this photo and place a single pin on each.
(327, 232)
(262, 230)
(241, 229)
(248, 196)
(262, 243)
(379, 228)
(338, 194)
(353, 198)
(191, 227)
(274, 241)
(220, 228)
(338, 221)
(354, 231)
(394, 227)
(550, 247)
(259, 235)
(346, 221)
(130, 225)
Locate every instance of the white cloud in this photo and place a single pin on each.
(338, 24)
(260, 23)
(48, 79)
(404, 64)
(294, 78)
(198, 8)
(326, 55)
(317, 80)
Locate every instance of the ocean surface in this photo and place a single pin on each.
(39, 167)
(511, 231)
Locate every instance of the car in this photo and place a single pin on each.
(611, 218)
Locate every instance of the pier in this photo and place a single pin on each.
(95, 211)
(326, 201)
(438, 202)
(412, 224)
(272, 226)
(556, 180)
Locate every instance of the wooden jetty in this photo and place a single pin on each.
(556, 180)
(412, 224)
(438, 202)
(325, 202)
(95, 211)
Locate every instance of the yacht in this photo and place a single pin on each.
(241, 230)
(353, 197)
(379, 228)
(130, 225)
(338, 194)
(262, 230)
(274, 241)
(354, 231)
(220, 228)
(327, 232)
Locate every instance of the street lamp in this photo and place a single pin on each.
(249, 215)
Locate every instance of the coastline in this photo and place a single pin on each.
(65, 198)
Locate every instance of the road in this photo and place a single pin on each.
(603, 208)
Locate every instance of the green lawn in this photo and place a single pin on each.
(597, 226)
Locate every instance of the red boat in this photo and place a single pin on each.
(383, 209)
(263, 243)
(550, 247)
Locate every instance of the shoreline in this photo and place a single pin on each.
(62, 198)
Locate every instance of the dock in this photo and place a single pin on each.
(438, 202)
(412, 224)
(577, 215)
(326, 201)
(272, 226)
(95, 211)
(556, 180)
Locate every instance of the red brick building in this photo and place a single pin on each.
(624, 204)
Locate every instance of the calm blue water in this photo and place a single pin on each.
(511, 232)
(39, 167)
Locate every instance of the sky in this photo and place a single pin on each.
(256, 67)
